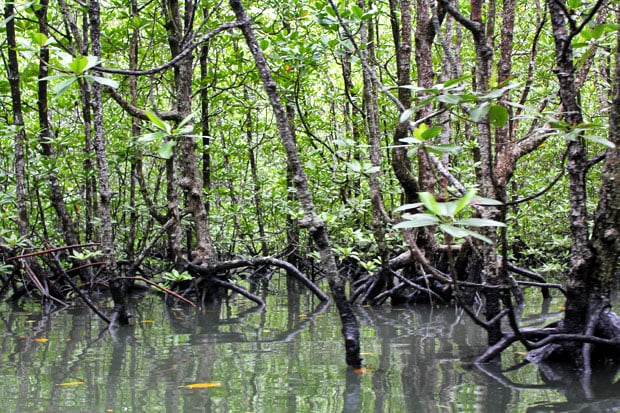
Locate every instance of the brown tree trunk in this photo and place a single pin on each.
(110, 270)
(315, 225)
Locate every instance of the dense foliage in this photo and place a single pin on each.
(146, 127)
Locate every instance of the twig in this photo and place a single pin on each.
(160, 287)
(50, 250)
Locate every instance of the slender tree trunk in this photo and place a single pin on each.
(191, 178)
(315, 225)
(18, 122)
(120, 315)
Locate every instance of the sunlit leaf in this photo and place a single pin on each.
(157, 122)
(166, 150)
(430, 203)
(103, 81)
(478, 113)
(408, 206)
(457, 232)
(464, 201)
(417, 220)
(62, 87)
(406, 115)
(600, 140)
(39, 39)
(206, 385)
(480, 222)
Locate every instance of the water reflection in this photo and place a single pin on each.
(286, 358)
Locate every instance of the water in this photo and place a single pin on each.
(286, 358)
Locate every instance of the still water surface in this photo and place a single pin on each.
(285, 358)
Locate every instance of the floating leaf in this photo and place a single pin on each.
(71, 383)
(206, 385)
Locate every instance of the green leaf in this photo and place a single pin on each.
(81, 64)
(430, 203)
(498, 115)
(157, 122)
(417, 220)
(480, 222)
(408, 206)
(150, 137)
(39, 39)
(405, 116)
(600, 140)
(103, 81)
(357, 11)
(478, 113)
(264, 44)
(444, 148)
(464, 201)
(462, 233)
(166, 150)
(450, 99)
(431, 132)
(62, 87)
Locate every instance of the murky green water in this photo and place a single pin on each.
(286, 358)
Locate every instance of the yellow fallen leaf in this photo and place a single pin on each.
(71, 383)
(206, 385)
(41, 340)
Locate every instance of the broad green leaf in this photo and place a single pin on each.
(480, 222)
(464, 201)
(600, 140)
(62, 87)
(150, 137)
(419, 131)
(430, 203)
(78, 64)
(462, 233)
(357, 11)
(102, 80)
(354, 165)
(498, 115)
(408, 206)
(478, 113)
(430, 133)
(39, 39)
(441, 149)
(450, 99)
(417, 220)
(157, 122)
(166, 150)
(187, 119)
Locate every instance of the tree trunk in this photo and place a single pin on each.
(110, 270)
(315, 225)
